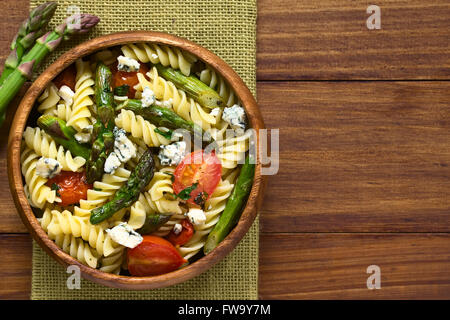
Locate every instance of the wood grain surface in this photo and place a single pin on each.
(328, 39)
(364, 168)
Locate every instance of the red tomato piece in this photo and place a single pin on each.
(153, 256)
(184, 236)
(129, 78)
(71, 187)
(198, 167)
(66, 78)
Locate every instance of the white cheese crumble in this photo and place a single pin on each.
(123, 147)
(215, 112)
(124, 150)
(166, 103)
(177, 228)
(112, 163)
(124, 235)
(127, 64)
(85, 135)
(196, 216)
(47, 168)
(148, 97)
(235, 116)
(66, 94)
(172, 154)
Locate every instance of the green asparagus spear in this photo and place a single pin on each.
(233, 208)
(129, 192)
(44, 45)
(196, 89)
(152, 222)
(103, 129)
(32, 28)
(163, 117)
(63, 135)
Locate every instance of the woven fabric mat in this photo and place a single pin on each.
(228, 28)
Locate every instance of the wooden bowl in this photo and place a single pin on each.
(17, 186)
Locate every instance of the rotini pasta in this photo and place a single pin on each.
(165, 55)
(80, 227)
(80, 114)
(38, 193)
(186, 107)
(232, 151)
(214, 207)
(44, 146)
(70, 244)
(134, 166)
(210, 77)
(140, 128)
(49, 99)
(102, 191)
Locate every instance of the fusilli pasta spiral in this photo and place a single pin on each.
(140, 128)
(48, 99)
(70, 244)
(214, 207)
(184, 106)
(165, 55)
(38, 193)
(37, 140)
(102, 191)
(84, 88)
(213, 80)
(80, 227)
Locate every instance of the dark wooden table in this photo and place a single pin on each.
(364, 179)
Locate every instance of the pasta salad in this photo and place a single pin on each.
(138, 163)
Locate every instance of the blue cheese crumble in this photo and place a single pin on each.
(148, 97)
(127, 64)
(47, 168)
(172, 154)
(235, 116)
(196, 216)
(124, 150)
(85, 135)
(124, 235)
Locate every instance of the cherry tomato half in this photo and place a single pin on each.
(184, 236)
(198, 167)
(153, 256)
(66, 78)
(71, 187)
(129, 78)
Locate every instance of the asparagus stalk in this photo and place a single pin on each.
(233, 208)
(196, 89)
(129, 192)
(103, 128)
(63, 135)
(29, 31)
(44, 45)
(152, 222)
(164, 117)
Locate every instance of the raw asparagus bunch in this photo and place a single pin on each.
(196, 89)
(129, 192)
(233, 208)
(63, 135)
(31, 29)
(103, 136)
(44, 45)
(164, 117)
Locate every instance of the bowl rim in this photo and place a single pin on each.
(15, 176)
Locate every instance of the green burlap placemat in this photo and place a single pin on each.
(228, 28)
